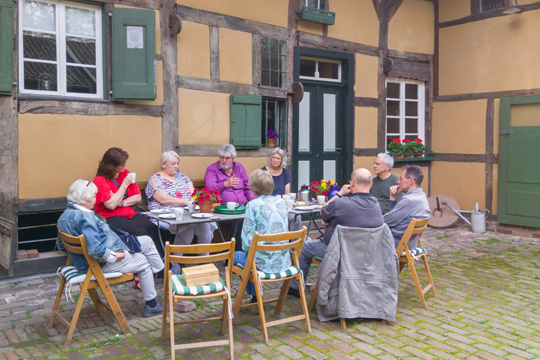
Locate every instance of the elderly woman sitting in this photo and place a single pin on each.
(105, 246)
(267, 215)
(169, 188)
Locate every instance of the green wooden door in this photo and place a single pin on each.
(318, 135)
(519, 172)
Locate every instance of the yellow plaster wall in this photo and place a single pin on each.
(235, 56)
(464, 182)
(204, 117)
(490, 55)
(55, 150)
(459, 127)
(412, 27)
(365, 162)
(193, 50)
(271, 12)
(310, 27)
(355, 21)
(367, 68)
(365, 127)
(454, 9)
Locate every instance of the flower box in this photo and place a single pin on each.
(420, 156)
(316, 15)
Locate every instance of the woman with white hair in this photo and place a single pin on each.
(105, 246)
(171, 188)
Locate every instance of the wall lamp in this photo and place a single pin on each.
(513, 8)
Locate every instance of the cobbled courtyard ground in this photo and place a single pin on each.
(487, 307)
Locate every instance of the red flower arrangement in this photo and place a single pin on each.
(321, 187)
(205, 194)
(396, 146)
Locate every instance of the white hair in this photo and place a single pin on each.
(167, 156)
(281, 152)
(81, 191)
(227, 150)
(387, 159)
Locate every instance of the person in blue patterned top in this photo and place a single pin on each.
(267, 215)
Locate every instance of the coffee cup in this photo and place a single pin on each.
(191, 206)
(321, 199)
(290, 203)
(231, 205)
(179, 213)
(279, 196)
(292, 196)
(133, 177)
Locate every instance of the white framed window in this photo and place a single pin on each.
(405, 110)
(60, 49)
(315, 4)
(320, 69)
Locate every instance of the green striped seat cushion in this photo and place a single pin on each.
(292, 270)
(416, 252)
(320, 258)
(73, 276)
(180, 287)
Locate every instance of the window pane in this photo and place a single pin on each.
(488, 5)
(392, 126)
(411, 108)
(307, 67)
(392, 108)
(392, 90)
(80, 21)
(411, 91)
(274, 62)
(39, 16)
(265, 61)
(274, 78)
(274, 47)
(81, 80)
(328, 70)
(40, 76)
(411, 126)
(265, 78)
(264, 44)
(80, 50)
(39, 46)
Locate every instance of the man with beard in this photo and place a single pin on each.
(229, 177)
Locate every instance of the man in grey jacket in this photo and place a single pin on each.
(413, 204)
(353, 206)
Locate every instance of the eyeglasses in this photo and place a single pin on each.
(377, 163)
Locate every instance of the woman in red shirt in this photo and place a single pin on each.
(117, 193)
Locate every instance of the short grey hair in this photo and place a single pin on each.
(81, 191)
(167, 156)
(261, 182)
(281, 152)
(227, 150)
(387, 159)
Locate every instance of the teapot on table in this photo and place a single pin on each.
(303, 193)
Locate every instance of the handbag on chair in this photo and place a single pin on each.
(131, 241)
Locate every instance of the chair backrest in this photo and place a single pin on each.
(296, 243)
(216, 252)
(76, 245)
(416, 227)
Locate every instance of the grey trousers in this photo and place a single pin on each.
(144, 264)
(311, 249)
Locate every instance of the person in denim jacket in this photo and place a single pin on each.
(105, 246)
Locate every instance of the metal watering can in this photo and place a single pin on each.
(478, 217)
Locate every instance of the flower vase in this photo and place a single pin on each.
(334, 189)
(206, 206)
(271, 143)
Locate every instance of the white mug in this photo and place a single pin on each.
(292, 196)
(289, 203)
(231, 205)
(191, 206)
(133, 177)
(321, 199)
(179, 213)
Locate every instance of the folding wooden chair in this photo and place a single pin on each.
(313, 299)
(407, 257)
(250, 273)
(94, 278)
(176, 289)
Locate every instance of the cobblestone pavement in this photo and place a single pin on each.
(487, 308)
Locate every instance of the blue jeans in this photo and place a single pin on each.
(240, 257)
(311, 249)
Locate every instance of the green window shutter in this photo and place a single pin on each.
(134, 54)
(246, 121)
(6, 46)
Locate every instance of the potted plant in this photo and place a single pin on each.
(417, 147)
(272, 136)
(407, 151)
(205, 198)
(396, 147)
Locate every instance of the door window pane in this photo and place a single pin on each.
(307, 67)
